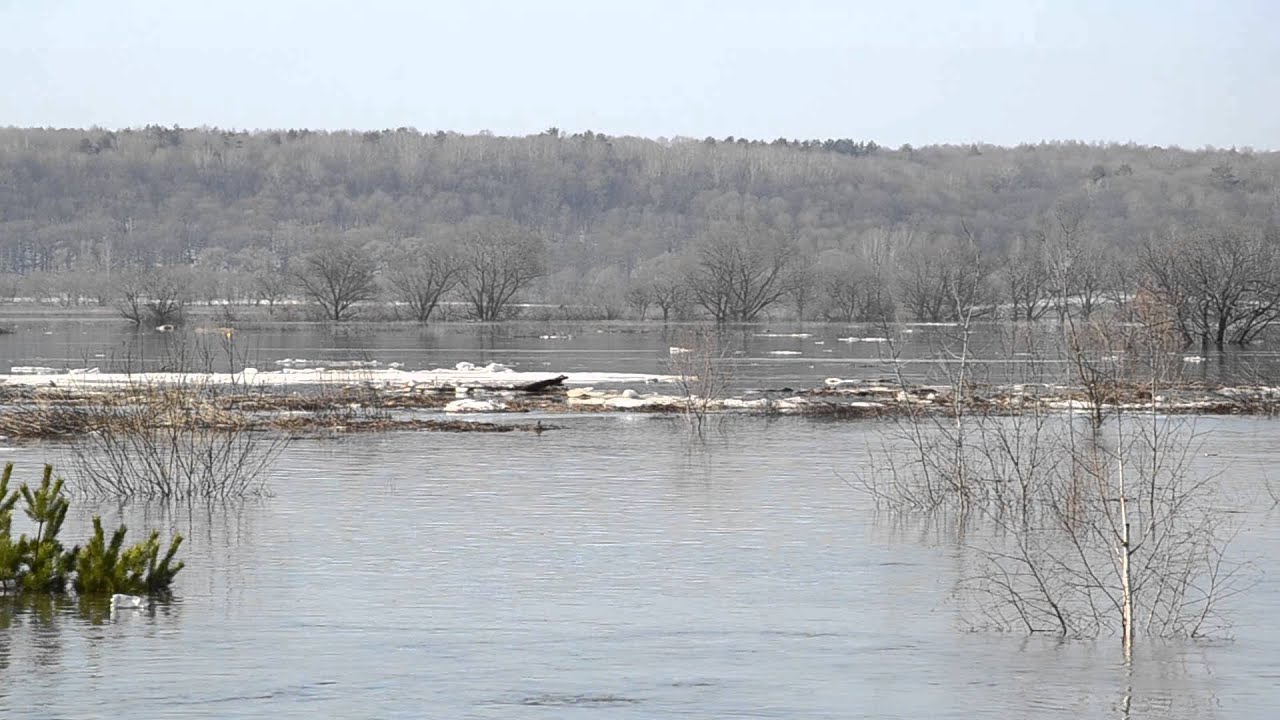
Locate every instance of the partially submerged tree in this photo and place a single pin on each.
(1119, 538)
(1079, 529)
(264, 276)
(854, 289)
(498, 260)
(703, 368)
(741, 270)
(661, 282)
(337, 275)
(945, 280)
(803, 291)
(1222, 285)
(420, 272)
(1027, 279)
(39, 564)
(153, 296)
(1081, 274)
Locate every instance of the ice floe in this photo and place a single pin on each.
(463, 405)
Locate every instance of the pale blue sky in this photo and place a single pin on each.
(1184, 72)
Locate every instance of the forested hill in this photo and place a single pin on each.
(603, 205)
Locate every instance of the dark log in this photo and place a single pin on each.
(542, 385)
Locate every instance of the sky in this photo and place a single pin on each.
(1190, 73)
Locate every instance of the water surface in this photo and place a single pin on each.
(614, 568)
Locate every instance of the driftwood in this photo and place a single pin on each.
(542, 385)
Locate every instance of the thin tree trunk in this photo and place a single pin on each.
(1126, 585)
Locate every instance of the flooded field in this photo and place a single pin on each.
(617, 567)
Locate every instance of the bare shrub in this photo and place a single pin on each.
(1079, 528)
(703, 371)
(172, 443)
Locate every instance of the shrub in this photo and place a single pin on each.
(40, 564)
(174, 443)
(102, 569)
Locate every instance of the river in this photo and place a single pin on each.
(617, 567)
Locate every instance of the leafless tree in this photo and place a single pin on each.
(1121, 538)
(1088, 528)
(854, 288)
(945, 280)
(1027, 279)
(1082, 272)
(703, 368)
(264, 275)
(843, 287)
(152, 296)
(337, 275)
(639, 297)
(1222, 285)
(498, 260)
(662, 283)
(803, 288)
(419, 272)
(741, 270)
(671, 296)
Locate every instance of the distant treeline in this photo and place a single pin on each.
(610, 215)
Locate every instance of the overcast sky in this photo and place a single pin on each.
(1166, 72)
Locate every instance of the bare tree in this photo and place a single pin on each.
(337, 275)
(1099, 528)
(153, 296)
(264, 275)
(498, 260)
(741, 270)
(945, 281)
(1223, 285)
(1081, 273)
(1026, 279)
(843, 289)
(419, 272)
(1120, 539)
(854, 289)
(704, 371)
(671, 295)
(661, 282)
(803, 289)
(639, 297)
(603, 293)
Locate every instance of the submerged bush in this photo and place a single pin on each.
(40, 564)
(173, 443)
(102, 569)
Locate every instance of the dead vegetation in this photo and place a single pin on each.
(53, 412)
(74, 416)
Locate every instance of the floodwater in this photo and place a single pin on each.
(757, 356)
(614, 568)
